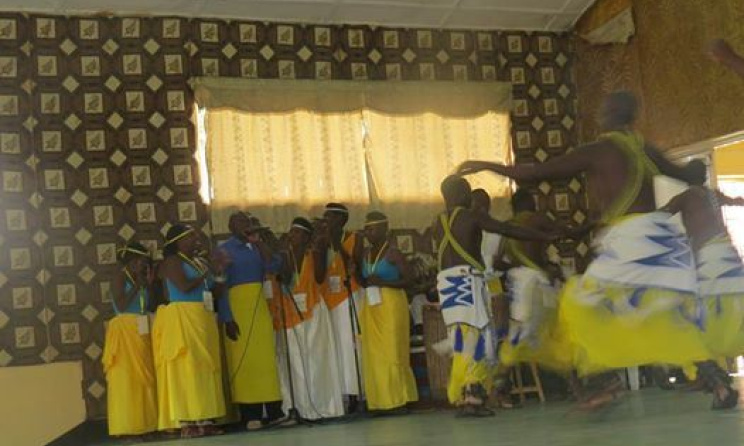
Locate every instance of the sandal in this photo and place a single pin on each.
(729, 402)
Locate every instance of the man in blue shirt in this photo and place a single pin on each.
(250, 349)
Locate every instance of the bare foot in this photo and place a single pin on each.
(191, 432)
(212, 430)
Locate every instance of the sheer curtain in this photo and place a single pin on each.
(281, 165)
(409, 156)
(284, 148)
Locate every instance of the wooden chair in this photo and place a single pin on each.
(522, 390)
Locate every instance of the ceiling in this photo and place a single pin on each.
(546, 15)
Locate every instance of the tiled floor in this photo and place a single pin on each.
(646, 418)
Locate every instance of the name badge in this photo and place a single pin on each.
(208, 301)
(301, 301)
(143, 324)
(374, 296)
(335, 284)
(268, 290)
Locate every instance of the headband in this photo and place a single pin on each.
(179, 236)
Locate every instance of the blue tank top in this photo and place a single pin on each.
(195, 295)
(384, 269)
(139, 303)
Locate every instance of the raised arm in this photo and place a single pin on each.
(725, 200)
(671, 169)
(565, 166)
(489, 224)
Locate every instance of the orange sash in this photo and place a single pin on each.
(334, 297)
(305, 286)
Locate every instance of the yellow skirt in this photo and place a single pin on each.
(130, 377)
(251, 359)
(552, 349)
(187, 362)
(610, 334)
(386, 352)
(466, 370)
(724, 325)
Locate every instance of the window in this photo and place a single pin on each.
(285, 148)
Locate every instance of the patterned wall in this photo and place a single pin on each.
(685, 97)
(97, 142)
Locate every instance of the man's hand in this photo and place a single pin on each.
(470, 167)
(232, 330)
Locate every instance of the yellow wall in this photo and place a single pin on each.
(40, 403)
(729, 160)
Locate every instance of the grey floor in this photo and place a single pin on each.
(646, 418)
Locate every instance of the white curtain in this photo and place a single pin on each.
(284, 148)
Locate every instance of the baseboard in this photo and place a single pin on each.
(86, 433)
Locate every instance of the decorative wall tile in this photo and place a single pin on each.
(97, 143)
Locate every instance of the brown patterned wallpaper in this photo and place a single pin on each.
(685, 97)
(97, 142)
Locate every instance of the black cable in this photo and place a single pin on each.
(248, 340)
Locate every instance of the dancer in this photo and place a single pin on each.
(386, 346)
(626, 309)
(463, 295)
(249, 347)
(721, 276)
(312, 380)
(338, 287)
(127, 352)
(186, 339)
(533, 282)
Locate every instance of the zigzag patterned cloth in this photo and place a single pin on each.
(645, 251)
(463, 296)
(719, 268)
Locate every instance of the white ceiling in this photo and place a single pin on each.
(547, 15)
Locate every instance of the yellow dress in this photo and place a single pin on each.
(386, 350)
(188, 365)
(386, 360)
(130, 376)
(251, 359)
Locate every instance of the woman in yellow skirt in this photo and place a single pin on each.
(186, 341)
(386, 362)
(127, 352)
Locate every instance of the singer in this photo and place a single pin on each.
(249, 347)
